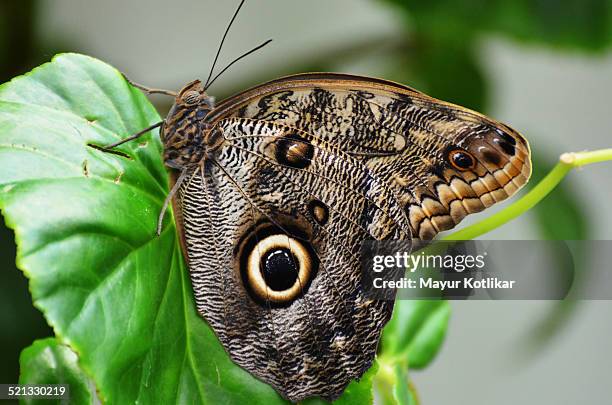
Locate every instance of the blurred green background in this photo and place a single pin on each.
(543, 66)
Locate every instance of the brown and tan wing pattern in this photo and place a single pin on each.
(444, 161)
(273, 225)
(295, 175)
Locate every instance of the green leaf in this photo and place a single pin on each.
(49, 362)
(85, 221)
(394, 386)
(446, 70)
(403, 393)
(412, 338)
(572, 24)
(415, 333)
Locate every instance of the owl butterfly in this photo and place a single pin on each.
(275, 189)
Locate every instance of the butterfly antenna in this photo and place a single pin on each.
(222, 41)
(236, 60)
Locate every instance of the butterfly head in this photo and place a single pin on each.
(192, 95)
(185, 130)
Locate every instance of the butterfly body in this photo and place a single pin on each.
(280, 185)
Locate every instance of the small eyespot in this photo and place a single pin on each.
(279, 269)
(294, 151)
(319, 211)
(191, 97)
(461, 160)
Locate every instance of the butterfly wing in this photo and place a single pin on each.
(443, 160)
(273, 228)
(308, 168)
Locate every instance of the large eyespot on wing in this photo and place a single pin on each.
(276, 268)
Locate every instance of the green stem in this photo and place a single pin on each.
(566, 163)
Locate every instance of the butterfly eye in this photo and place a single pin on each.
(191, 97)
(279, 269)
(461, 160)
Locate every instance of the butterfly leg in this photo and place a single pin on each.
(169, 197)
(149, 90)
(132, 137)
